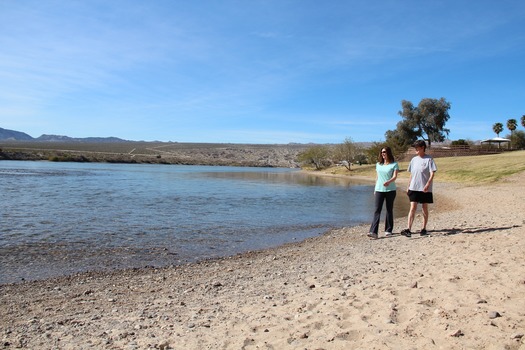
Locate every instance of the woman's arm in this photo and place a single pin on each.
(392, 179)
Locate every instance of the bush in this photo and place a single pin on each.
(517, 139)
(460, 142)
(317, 155)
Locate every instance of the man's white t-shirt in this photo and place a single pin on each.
(420, 169)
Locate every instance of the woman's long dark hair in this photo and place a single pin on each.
(389, 155)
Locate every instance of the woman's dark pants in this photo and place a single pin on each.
(381, 197)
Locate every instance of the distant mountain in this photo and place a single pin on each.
(60, 138)
(6, 134)
(11, 135)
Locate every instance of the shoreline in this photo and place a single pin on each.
(119, 270)
(334, 291)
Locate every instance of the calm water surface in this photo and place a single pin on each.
(62, 218)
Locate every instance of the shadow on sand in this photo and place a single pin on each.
(455, 231)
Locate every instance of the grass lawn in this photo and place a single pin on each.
(469, 170)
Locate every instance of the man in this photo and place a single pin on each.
(422, 169)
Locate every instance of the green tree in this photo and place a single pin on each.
(523, 120)
(518, 139)
(317, 155)
(460, 142)
(400, 139)
(428, 119)
(497, 128)
(372, 152)
(361, 158)
(346, 153)
(512, 124)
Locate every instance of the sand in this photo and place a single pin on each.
(463, 287)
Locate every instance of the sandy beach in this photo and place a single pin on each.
(463, 287)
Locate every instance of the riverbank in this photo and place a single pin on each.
(139, 152)
(462, 287)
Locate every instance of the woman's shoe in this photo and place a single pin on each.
(372, 235)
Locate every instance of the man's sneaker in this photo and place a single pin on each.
(406, 232)
(423, 232)
(372, 235)
(388, 234)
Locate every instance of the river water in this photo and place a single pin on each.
(62, 218)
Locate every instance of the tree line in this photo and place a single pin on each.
(425, 121)
(517, 138)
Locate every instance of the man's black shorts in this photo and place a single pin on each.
(420, 197)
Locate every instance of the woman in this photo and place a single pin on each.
(385, 191)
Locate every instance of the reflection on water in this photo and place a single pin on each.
(289, 177)
(61, 218)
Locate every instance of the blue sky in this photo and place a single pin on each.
(260, 71)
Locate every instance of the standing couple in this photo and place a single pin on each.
(422, 169)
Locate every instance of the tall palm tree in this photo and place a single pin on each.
(497, 128)
(512, 124)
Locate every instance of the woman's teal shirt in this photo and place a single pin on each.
(385, 173)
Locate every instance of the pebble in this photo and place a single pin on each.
(494, 314)
(457, 333)
(164, 346)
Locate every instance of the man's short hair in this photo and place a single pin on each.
(420, 143)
